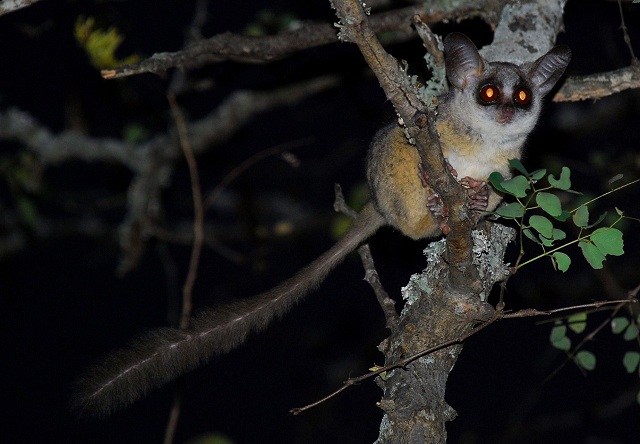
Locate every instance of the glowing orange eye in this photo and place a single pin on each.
(522, 96)
(488, 94)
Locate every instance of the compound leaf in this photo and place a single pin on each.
(631, 332)
(586, 359)
(549, 203)
(561, 261)
(531, 235)
(563, 182)
(592, 254)
(559, 339)
(542, 225)
(581, 217)
(511, 211)
(496, 179)
(538, 174)
(608, 240)
(618, 324)
(517, 186)
(630, 361)
(517, 165)
(578, 322)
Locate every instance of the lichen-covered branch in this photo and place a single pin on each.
(7, 6)
(597, 86)
(415, 410)
(414, 395)
(420, 127)
(248, 49)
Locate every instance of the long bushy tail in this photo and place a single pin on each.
(162, 355)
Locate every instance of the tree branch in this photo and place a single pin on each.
(152, 161)
(248, 49)
(7, 6)
(371, 274)
(499, 315)
(596, 86)
(420, 125)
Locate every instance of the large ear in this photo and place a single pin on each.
(546, 71)
(462, 59)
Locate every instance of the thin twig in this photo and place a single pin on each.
(499, 315)
(589, 202)
(248, 163)
(198, 211)
(627, 39)
(372, 277)
(399, 364)
(198, 236)
(531, 312)
(371, 273)
(620, 304)
(429, 40)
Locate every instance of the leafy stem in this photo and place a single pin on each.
(538, 210)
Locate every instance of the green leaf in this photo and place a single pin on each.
(511, 211)
(558, 234)
(581, 216)
(586, 359)
(578, 322)
(546, 241)
(538, 174)
(549, 203)
(618, 324)
(517, 186)
(517, 165)
(542, 225)
(631, 332)
(564, 182)
(563, 216)
(592, 254)
(630, 361)
(563, 344)
(531, 235)
(608, 240)
(496, 179)
(559, 339)
(561, 261)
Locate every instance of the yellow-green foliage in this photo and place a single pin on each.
(100, 45)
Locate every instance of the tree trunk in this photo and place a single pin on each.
(414, 405)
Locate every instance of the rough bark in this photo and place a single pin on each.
(414, 404)
(448, 299)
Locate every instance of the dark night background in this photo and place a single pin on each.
(64, 306)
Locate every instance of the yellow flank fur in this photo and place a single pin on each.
(452, 138)
(400, 197)
(394, 175)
